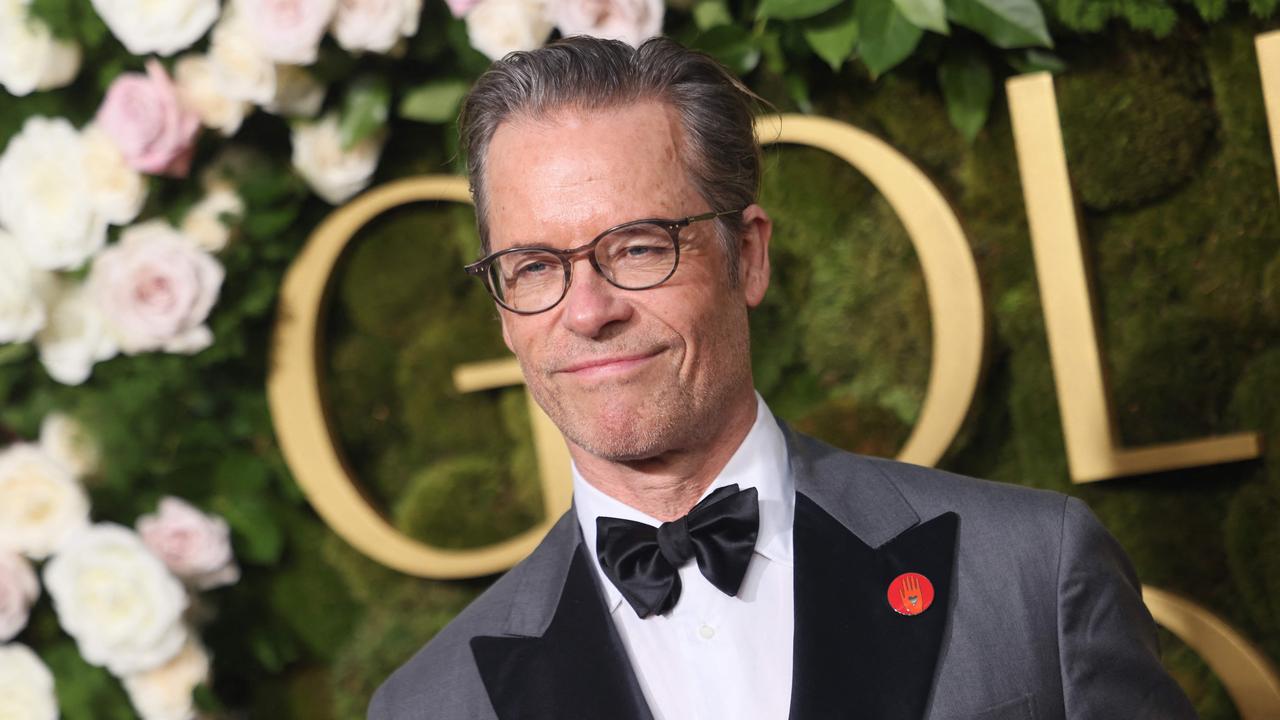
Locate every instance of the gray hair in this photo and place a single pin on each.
(716, 112)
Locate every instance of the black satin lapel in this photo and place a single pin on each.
(577, 669)
(853, 655)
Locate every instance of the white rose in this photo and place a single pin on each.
(117, 600)
(298, 93)
(26, 685)
(164, 693)
(30, 57)
(147, 26)
(194, 546)
(497, 27)
(156, 289)
(239, 68)
(18, 591)
(41, 504)
(22, 310)
(199, 89)
(45, 197)
(631, 21)
(76, 335)
(206, 222)
(117, 190)
(375, 25)
(288, 31)
(335, 174)
(68, 442)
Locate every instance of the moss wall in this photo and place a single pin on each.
(1168, 150)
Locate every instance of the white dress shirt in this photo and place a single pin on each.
(715, 656)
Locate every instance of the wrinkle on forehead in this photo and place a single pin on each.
(533, 183)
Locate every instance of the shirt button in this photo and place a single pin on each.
(707, 632)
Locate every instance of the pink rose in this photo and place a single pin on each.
(194, 546)
(155, 289)
(461, 7)
(18, 590)
(631, 21)
(143, 116)
(288, 31)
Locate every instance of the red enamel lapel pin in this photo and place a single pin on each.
(910, 594)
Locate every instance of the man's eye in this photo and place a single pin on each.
(533, 268)
(644, 250)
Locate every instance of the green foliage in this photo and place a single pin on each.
(794, 9)
(732, 45)
(365, 110)
(84, 692)
(925, 14)
(1158, 17)
(1135, 127)
(1006, 23)
(886, 36)
(966, 84)
(833, 35)
(710, 13)
(435, 102)
(402, 620)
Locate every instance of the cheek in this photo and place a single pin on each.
(705, 318)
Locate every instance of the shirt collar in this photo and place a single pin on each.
(759, 462)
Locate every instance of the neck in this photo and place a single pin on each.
(668, 485)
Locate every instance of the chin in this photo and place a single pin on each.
(622, 431)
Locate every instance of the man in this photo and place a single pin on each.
(716, 564)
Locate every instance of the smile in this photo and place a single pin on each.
(607, 366)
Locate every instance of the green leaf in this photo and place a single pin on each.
(967, 87)
(260, 538)
(771, 52)
(364, 111)
(798, 89)
(925, 14)
(434, 102)
(834, 35)
(240, 474)
(886, 37)
(711, 13)
(1006, 23)
(732, 45)
(1036, 60)
(794, 9)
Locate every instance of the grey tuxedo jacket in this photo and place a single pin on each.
(1037, 614)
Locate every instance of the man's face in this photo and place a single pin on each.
(625, 374)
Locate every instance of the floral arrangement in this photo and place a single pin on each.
(129, 597)
(62, 187)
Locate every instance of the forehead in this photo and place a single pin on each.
(560, 179)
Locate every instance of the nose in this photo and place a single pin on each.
(592, 304)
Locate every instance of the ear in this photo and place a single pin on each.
(753, 259)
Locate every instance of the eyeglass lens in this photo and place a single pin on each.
(634, 257)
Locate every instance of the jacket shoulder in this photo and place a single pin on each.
(931, 491)
(441, 680)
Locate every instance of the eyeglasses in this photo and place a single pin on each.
(636, 255)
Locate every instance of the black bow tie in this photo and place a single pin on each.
(642, 561)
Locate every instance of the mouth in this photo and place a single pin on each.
(610, 366)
